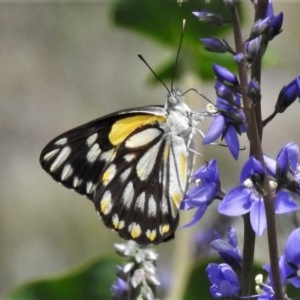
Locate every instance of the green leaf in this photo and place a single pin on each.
(91, 281)
(161, 20)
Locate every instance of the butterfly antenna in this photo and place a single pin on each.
(152, 71)
(178, 51)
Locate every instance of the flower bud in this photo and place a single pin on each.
(209, 17)
(225, 76)
(253, 91)
(288, 94)
(251, 48)
(216, 45)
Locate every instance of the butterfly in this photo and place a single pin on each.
(134, 165)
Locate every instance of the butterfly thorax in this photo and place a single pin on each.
(179, 114)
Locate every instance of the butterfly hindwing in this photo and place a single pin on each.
(140, 198)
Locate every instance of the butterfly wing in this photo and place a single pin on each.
(130, 165)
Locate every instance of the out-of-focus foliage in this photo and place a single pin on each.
(162, 22)
(92, 281)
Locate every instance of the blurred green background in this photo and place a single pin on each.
(63, 64)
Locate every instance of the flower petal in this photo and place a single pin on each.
(258, 217)
(197, 216)
(215, 130)
(232, 141)
(284, 203)
(237, 202)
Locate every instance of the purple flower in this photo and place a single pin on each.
(229, 121)
(119, 289)
(224, 280)
(292, 258)
(229, 251)
(247, 198)
(206, 189)
(286, 177)
(287, 96)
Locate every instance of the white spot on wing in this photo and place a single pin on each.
(152, 207)
(109, 174)
(140, 201)
(76, 182)
(128, 194)
(106, 203)
(125, 174)
(61, 142)
(164, 205)
(90, 187)
(93, 153)
(146, 163)
(50, 154)
(91, 139)
(66, 172)
(129, 157)
(107, 155)
(142, 138)
(61, 157)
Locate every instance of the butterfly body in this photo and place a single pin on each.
(133, 164)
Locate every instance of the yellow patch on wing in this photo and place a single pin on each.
(183, 166)
(151, 234)
(164, 229)
(176, 197)
(135, 230)
(122, 128)
(108, 174)
(106, 203)
(117, 223)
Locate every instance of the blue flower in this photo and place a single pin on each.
(229, 119)
(286, 177)
(247, 197)
(229, 251)
(292, 258)
(206, 189)
(119, 289)
(224, 280)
